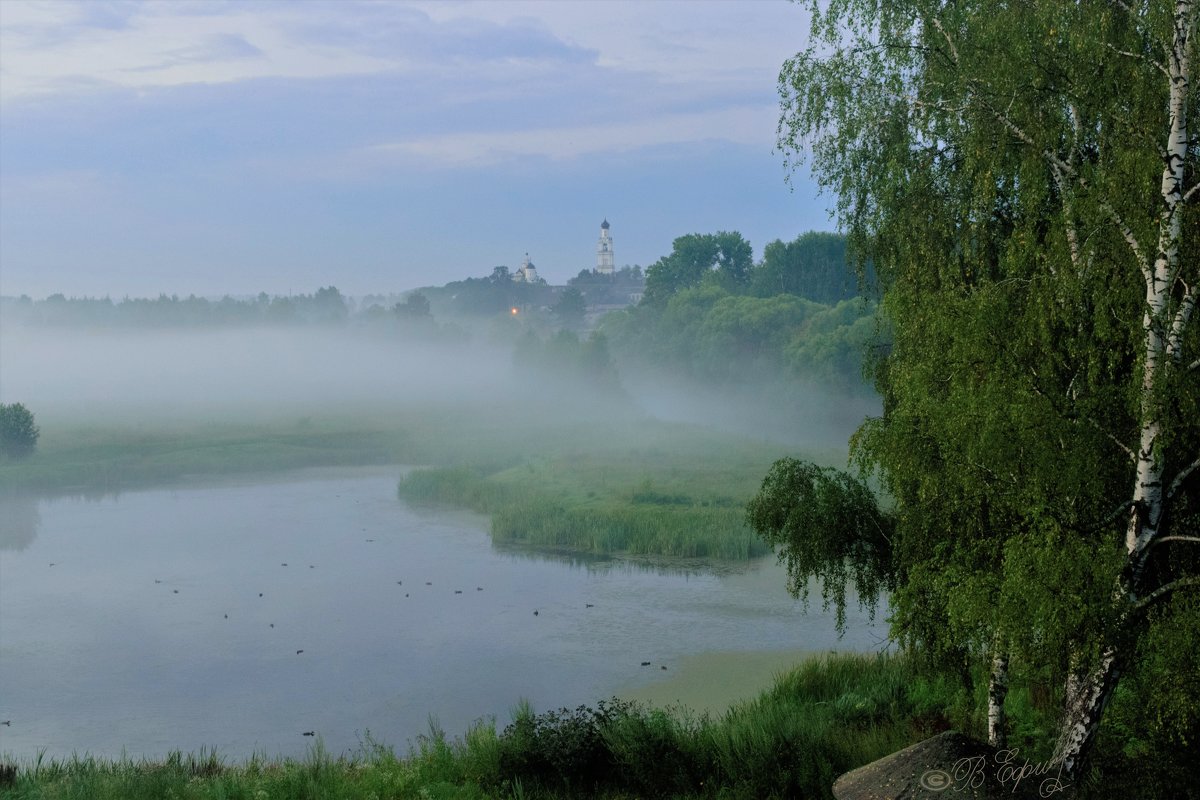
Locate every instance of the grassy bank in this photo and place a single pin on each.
(617, 485)
(826, 716)
(112, 459)
(682, 498)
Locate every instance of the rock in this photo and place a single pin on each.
(951, 765)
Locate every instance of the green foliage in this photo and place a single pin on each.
(494, 294)
(18, 433)
(825, 717)
(711, 335)
(326, 306)
(724, 259)
(998, 165)
(570, 308)
(814, 266)
(825, 524)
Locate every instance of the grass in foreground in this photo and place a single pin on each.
(825, 717)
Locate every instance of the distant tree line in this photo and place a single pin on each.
(711, 313)
(496, 293)
(326, 306)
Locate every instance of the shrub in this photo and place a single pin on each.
(18, 433)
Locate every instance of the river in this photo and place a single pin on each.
(238, 615)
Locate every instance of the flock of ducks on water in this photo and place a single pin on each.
(298, 652)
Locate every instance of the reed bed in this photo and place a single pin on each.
(634, 520)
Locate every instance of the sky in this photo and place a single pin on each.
(212, 147)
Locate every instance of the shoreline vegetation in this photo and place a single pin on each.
(628, 486)
(830, 714)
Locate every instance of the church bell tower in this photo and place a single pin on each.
(604, 251)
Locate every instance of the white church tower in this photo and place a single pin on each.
(604, 251)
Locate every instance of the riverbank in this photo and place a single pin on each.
(630, 486)
(828, 715)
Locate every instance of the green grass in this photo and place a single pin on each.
(110, 460)
(619, 484)
(678, 494)
(827, 716)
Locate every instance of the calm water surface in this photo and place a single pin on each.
(166, 619)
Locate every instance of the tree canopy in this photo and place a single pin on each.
(18, 432)
(1023, 179)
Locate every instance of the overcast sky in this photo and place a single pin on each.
(215, 147)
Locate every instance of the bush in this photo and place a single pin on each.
(18, 433)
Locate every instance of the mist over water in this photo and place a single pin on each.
(123, 597)
(73, 376)
(101, 375)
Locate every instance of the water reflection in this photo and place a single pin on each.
(19, 521)
(677, 566)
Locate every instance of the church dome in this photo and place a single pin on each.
(604, 225)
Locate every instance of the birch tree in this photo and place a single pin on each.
(1024, 179)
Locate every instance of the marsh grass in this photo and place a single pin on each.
(827, 716)
(637, 502)
(112, 460)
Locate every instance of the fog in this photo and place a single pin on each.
(72, 377)
(262, 374)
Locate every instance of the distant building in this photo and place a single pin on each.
(527, 273)
(604, 251)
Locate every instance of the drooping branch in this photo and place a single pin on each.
(1162, 539)
(1141, 57)
(1181, 477)
(1163, 591)
(1064, 169)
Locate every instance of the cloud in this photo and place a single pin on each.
(749, 125)
(68, 47)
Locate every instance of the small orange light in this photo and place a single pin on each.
(514, 310)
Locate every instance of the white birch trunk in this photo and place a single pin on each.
(997, 691)
(1087, 695)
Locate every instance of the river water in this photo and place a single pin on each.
(240, 615)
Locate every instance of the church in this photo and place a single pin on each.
(527, 273)
(604, 251)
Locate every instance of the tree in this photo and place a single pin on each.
(814, 266)
(724, 257)
(570, 308)
(1024, 180)
(415, 306)
(18, 433)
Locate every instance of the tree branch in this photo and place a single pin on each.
(1114, 516)
(937, 23)
(1141, 57)
(1190, 192)
(1066, 169)
(1176, 539)
(1163, 591)
(1181, 477)
(1128, 450)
